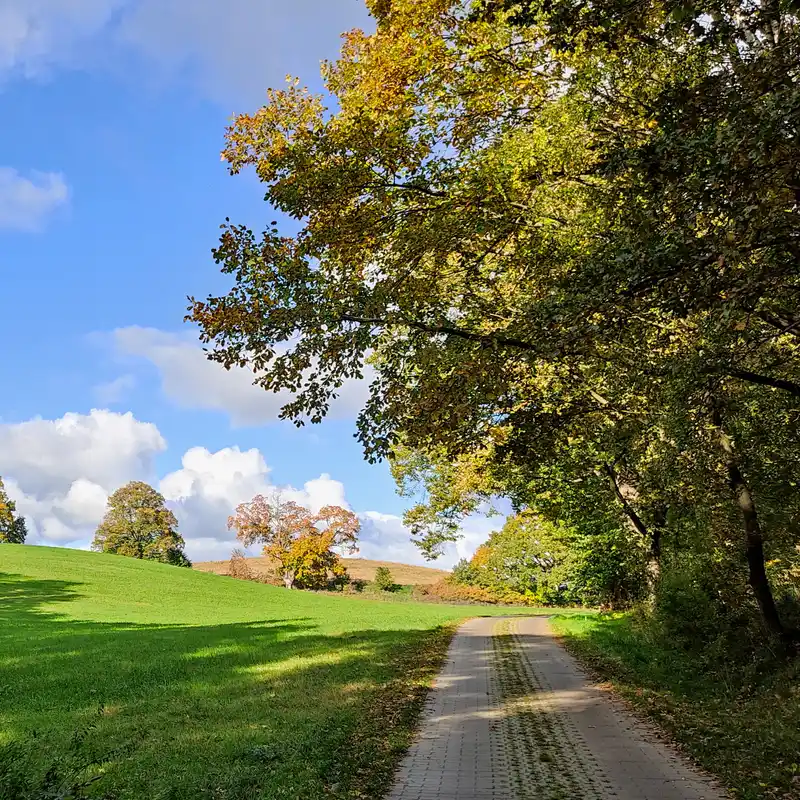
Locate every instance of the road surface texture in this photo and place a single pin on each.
(512, 716)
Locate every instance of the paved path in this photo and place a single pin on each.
(512, 716)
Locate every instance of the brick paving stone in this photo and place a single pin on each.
(512, 717)
(458, 753)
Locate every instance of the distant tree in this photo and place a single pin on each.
(138, 524)
(301, 543)
(12, 526)
(238, 566)
(554, 563)
(384, 580)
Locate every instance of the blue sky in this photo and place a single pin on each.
(111, 196)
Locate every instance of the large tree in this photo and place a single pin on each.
(139, 524)
(12, 525)
(301, 543)
(566, 234)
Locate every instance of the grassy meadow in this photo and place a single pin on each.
(162, 682)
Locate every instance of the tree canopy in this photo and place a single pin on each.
(138, 523)
(300, 542)
(564, 237)
(12, 525)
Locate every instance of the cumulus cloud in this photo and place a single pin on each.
(384, 537)
(209, 486)
(61, 471)
(190, 380)
(26, 202)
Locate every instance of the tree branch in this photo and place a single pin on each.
(446, 330)
(764, 380)
(630, 513)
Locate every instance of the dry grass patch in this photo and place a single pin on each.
(358, 568)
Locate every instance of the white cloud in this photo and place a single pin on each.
(61, 471)
(232, 51)
(209, 486)
(84, 502)
(106, 448)
(114, 391)
(385, 538)
(36, 35)
(190, 380)
(26, 202)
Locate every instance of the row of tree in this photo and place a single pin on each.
(566, 239)
(304, 546)
(539, 562)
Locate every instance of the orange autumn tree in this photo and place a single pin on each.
(300, 542)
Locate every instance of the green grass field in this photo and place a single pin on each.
(182, 684)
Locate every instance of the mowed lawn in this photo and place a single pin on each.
(183, 684)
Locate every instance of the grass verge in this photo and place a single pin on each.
(739, 722)
(182, 684)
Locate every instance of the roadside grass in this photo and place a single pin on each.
(190, 685)
(740, 722)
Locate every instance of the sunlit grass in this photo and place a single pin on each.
(200, 686)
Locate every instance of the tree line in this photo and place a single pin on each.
(303, 545)
(566, 240)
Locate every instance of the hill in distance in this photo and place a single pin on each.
(357, 568)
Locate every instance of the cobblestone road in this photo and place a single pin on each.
(512, 716)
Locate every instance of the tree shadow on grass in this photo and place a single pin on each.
(260, 709)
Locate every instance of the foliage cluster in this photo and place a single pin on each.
(565, 241)
(12, 525)
(449, 591)
(550, 564)
(298, 540)
(139, 524)
(384, 580)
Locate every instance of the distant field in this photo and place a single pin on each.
(358, 568)
(187, 685)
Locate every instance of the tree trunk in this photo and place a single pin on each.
(625, 493)
(288, 578)
(754, 537)
(659, 525)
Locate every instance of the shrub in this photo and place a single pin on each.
(449, 591)
(384, 580)
(700, 608)
(238, 566)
